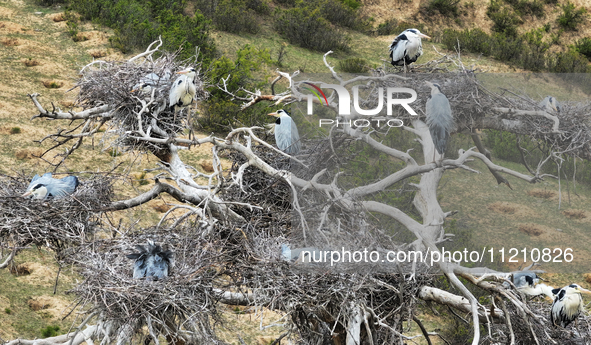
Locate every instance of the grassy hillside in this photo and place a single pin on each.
(37, 54)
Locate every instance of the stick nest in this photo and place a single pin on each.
(112, 84)
(179, 306)
(59, 224)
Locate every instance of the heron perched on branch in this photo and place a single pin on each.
(286, 133)
(46, 187)
(439, 118)
(183, 89)
(406, 47)
(151, 261)
(528, 282)
(568, 304)
(550, 104)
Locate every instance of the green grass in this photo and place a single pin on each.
(19, 290)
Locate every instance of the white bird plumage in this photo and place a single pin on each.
(286, 133)
(183, 90)
(45, 187)
(568, 304)
(528, 282)
(439, 118)
(406, 47)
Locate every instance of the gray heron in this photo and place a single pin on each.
(439, 118)
(151, 261)
(528, 282)
(183, 90)
(299, 255)
(150, 81)
(286, 133)
(406, 47)
(46, 187)
(568, 304)
(550, 104)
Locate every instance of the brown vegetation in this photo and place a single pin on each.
(31, 62)
(502, 207)
(161, 208)
(59, 17)
(28, 153)
(20, 270)
(574, 214)
(541, 193)
(98, 53)
(531, 229)
(37, 304)
(53, 84)
(10, 42)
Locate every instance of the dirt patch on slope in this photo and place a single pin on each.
(510, 208)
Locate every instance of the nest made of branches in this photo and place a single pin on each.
(59, 224)
(113, 83)
(180, 305)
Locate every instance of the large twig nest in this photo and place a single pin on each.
(116, 84)
(59, 224)
(179, 306)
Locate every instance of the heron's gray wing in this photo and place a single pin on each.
(139, 268)
(62, 187)
(150, 79)
(283, 134)
(439, 120)
(296, 145)
(44, 180)
(285, 252)
(398, 48)
(176, 91)
(158, 267)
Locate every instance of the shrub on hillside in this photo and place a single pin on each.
(259, 6)
(583, 46)
(306, 27)
(290, 3)
(392, 26)
(354, 65)
(568, 62)
(49, 2)
(220, 111)
(571, 17)
(526, 7)
(341, 14)
(504, 19)
(475, 40)
(234, 16)
(444, 7)
(137, 24)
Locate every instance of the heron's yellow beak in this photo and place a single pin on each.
(182, 72)
(273, 114)
(424, 36)
(584, 290)
(26, 194)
